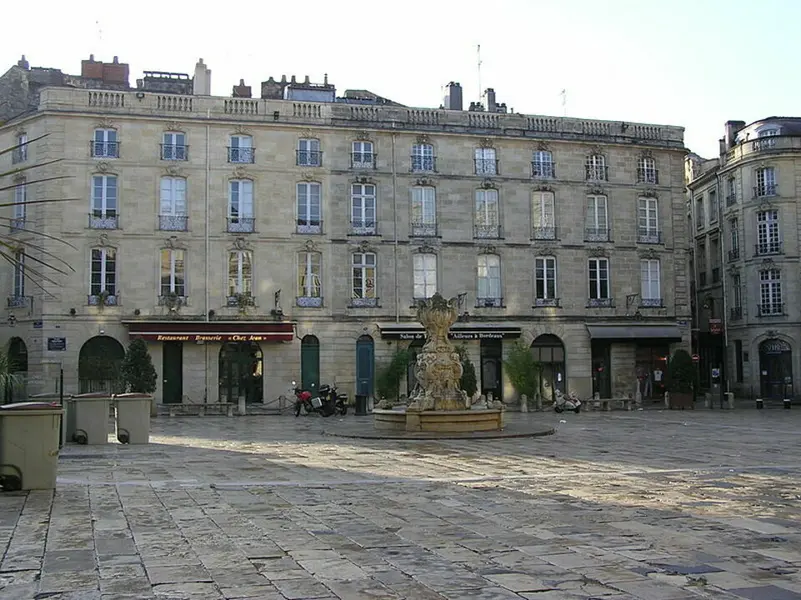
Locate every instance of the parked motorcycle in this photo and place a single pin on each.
(335, 402)
(562, 403)
(303, 400)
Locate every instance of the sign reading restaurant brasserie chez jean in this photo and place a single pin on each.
(178, 337)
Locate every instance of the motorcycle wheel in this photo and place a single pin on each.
(577, 410)
(297, 409)
(343, 410)
(558, 409)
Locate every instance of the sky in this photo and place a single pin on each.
(692, 63)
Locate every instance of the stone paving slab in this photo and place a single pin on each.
(643, 505)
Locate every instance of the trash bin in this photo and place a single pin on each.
(91, 417)
(29, 445)
(133, 418)
(67, 419)
(361, 405)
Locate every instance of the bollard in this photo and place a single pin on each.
(242, 406)
(708, 400)
(523, 403)
(759, 403)
(730, 400)
(786, 403)
(538, 403)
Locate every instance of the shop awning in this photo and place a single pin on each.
(211, 331)
(633, 332)
(459, 331)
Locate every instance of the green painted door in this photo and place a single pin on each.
(365, 366)
(172, 372)
(310, 363)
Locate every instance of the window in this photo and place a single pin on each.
(105, 144)
(646, 171)
(489, 280)
(240, 206)
(734, 239)
(241, 149)
(543, 216)
(770, 292)
(424, 211)
(768, 241)
(423, 158)
(309, 208)
(736, 297)
(425, 275)
(309, 279)
(650, 288)
(765, 182)
(701, 262)
(713, 206)
(486, 163)
(738, 359)
(648, 221)
(545, 281)
(363, 273)
(731, 193)
(714, 255)
(700, 218)
(597, 220)
(20, 154)
(103, 273)
(596, 168)
(309, 154)
(363, 209)
(173, 279)
(104, 202)
(174, 146)
(19, 275)
(766, 139)
(487, 217)
(542, 165)
(172, 211)
(599, 281)
(362, 155)
(20, 206)
(240, 274)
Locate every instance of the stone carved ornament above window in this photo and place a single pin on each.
(105, 168)
(310, 246)
(424, 139)
(486, 143)
(765, 203)
(105, 123)
(597, 151)
(650, 253)
(425, 181)
(19, 177)
(648, 193)
(241, 172)
(542, 147)
(772, 334)
(173, 243)
(646, 154)
(307, 176)
(307, 134)
(365, 247)
(596, 190)
(544, 187)
(363, 136)
(767, 263)
(241, 243)
(598, 252)
(426, 249)
(241, 130)
(487, 249)
(488, 184)
(174, 171)
(364, 179)
(103, 241)
(175, 126)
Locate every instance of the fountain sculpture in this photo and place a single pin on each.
(438, 404)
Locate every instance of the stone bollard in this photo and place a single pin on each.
(538, 403)
(730, 400)
(667, 399)
(242, 406)
(787, 403)
(708, 400)
(523, 403)
(759, 404)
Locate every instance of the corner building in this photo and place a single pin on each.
(256, 241)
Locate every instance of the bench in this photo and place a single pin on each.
(202, 409)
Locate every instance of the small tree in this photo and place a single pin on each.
(523, 370)
(9, 378)
(138, 370)
(682, 374)
(468, 382)
(390, 375)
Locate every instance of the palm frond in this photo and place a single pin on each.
(31, 182)
(18, 170)
(28, 143)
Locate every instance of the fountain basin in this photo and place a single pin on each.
(439, 421)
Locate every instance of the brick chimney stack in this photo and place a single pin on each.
(201, 84)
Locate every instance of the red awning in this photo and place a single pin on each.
(211, 331)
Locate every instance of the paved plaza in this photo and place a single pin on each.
(650, 505)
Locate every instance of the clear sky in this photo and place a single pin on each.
(694, 63)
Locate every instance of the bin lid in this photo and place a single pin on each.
(133, 395)
(30, 406)
(94, 395)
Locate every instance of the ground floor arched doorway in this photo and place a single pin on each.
(241, 372)
(549, 352)
(775, 369)
(17, 366)
(491, 352)
(310, 363)
(99, 365)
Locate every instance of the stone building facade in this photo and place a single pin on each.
(744, 212)
(253, 242)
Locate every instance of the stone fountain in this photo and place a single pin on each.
(437, 403)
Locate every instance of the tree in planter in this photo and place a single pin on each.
(468, 382)
(138, 370)
(523, 371)
(390, 375)
(9, 377)
(682, 378)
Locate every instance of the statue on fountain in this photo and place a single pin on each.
(438, 369)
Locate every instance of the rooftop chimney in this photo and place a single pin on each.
(491, 105)
(23, 63)
(732, 127)
(453, 96)
(242, 90)
(201, 84)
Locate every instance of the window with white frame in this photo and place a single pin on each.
(19, 274)
(597, 219)
(767, 138)
(241, 149)
(20, 153)
(595, 168)
(487, 214)
(765, 182)
(599, 279)
(174, 146)
(424, 211)
(172, 209)
(545, 280)
(542, 165)
(770, 292)
(650, 282)
(240, 206)
(731, 193)
(486, 162)
(309, 207)
(425, 275)
(103, 270)
(104, 202)
(20, 205)
(543, 215)
(768, 241)
(105, 144)
(646, 170)
(713, 206)
(362, 155)
(734, 239)
(310, 288)
(173, 273)
(737, 292)
(363, 209)
(423, 158)
(309, 154)
(363, 279)
(648, 221)
(489, 280)
(699, 212)
(240, 274)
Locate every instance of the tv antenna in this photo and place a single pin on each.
(563, 95)
(480, 92)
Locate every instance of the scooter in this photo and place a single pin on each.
(562, 403)
(303, 400)
(336, 403)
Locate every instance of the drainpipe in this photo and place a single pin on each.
(725, 316)
(206, 253)
(395, 226)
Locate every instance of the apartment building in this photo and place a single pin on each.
(743, 212)
(253, 241)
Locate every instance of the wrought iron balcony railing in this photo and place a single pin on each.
(600, 303)
(424, 164)
(487, 166)
(363, 227)
(651, 303)
(596, 234)
(766, 248)
(649, 236)
(174, 152)
(241, 224)
(731, 199)
(309, 301)
(770, 310)
(363, 302)
(104, 149)
(543, 302)
(240, 300)
(19, 155)
(543, 170)
(491, 302)
(173, 222)
(103, 299)
(543, 233)
(768, 189)
(487, 232)
(422, 229)
(309, 158)
(17, 301)
(363, 160)
(734, 254)
(16, 223)
(736, 313)
(650, 176)
(100, 220)
(312, 226)
(241, 155)
(596, 173)
(173, 300)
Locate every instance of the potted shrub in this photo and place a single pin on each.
(138, 371)
(523, 370)
(682, 380)
(468, 382)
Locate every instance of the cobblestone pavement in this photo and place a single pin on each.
(651, 505)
